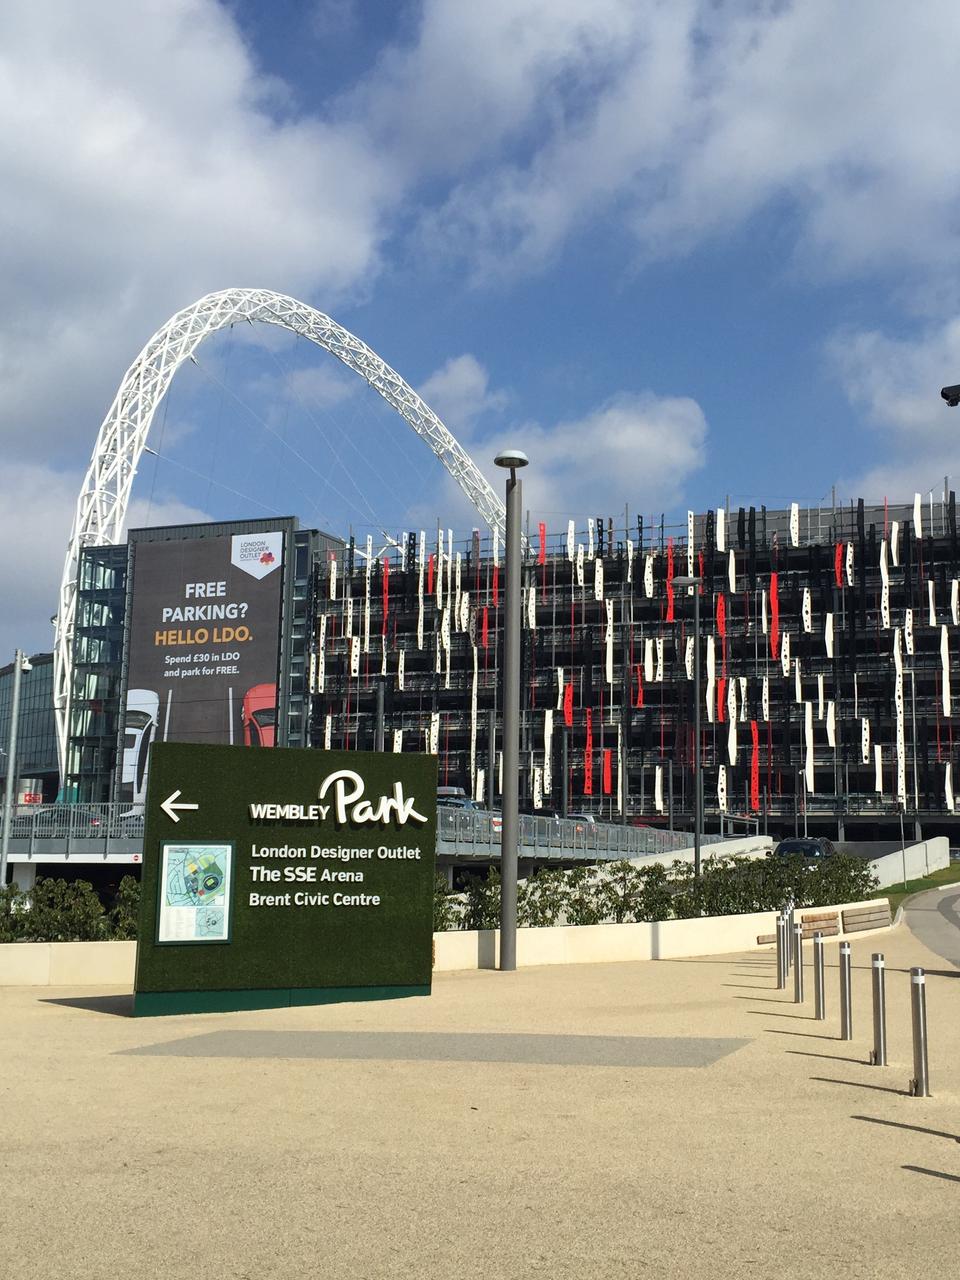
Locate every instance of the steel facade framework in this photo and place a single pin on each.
(105, 494)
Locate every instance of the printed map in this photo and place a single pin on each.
(195, 904)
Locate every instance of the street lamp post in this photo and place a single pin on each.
(695, 583)
(512, 460)
(20, 664)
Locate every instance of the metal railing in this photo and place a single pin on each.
(474, 830)
(555, 836)
(76, 822)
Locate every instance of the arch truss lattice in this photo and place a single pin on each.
(105, 494)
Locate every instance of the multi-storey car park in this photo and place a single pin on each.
(828, 643)
(827, 654)
(829, 649)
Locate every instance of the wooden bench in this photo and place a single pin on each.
(875, 916)
(825, 922)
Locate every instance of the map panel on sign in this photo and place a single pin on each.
(196, 882)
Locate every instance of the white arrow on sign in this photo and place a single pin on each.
(169, 806)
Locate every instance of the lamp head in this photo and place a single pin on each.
(511, 459)
(686, 580)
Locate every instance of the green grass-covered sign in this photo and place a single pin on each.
(276, 877)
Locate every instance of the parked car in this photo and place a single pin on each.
(809, 847)
(586, 819)
(65, 819)
(455, 802)
(552, 815)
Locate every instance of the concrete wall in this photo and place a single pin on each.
(111, 964)
(604, 943)
(67, 964)
(742, 846)
(917, 859)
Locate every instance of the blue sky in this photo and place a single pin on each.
(678, 250)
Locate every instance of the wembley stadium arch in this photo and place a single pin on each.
(105, 493)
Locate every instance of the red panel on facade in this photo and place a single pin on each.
(774, 619)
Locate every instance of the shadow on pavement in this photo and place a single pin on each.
(933, 1173)
(829, 1057)
(857, 1084)
(765, 1013)
(763, 999)
(913, 1128)
(119, 1006)
(931, 973)
(807, 1035)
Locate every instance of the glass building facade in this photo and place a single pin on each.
(97, 661)
(36, 761)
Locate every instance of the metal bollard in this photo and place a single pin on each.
(819, 975)
(791, 921)
(878, 1055)
(920, 1084)
(781, 953)
(846, 993)
(798, 964)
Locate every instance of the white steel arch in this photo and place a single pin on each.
(102, 504)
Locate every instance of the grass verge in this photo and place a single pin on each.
(898, 894)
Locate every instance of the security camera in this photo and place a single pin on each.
(951, 395)
(514, 458)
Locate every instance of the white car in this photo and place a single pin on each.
(586, 819)
(139, 728)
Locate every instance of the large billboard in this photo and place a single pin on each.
(204, 646)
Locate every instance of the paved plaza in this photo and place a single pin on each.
(672, 1118)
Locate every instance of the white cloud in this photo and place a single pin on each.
(36, 510)
(151, 513)
(318, 386)
(142, 168)
(683, 120)
(459, 393)
(895, 384)
(635, 449)
(477, 76)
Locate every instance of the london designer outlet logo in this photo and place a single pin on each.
(256, 553)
